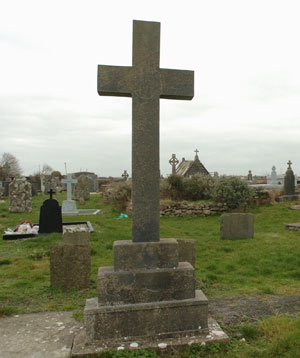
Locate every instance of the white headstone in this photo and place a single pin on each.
(69, 181)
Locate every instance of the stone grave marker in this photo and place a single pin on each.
(69, 206)
(20, 196)
(274, 180)
(173, 161)
(289, 185)
(235, 226)
(147, 281)
(70, 262)
(49, 183)
(50, 216)
(125, 175)
(82, 188)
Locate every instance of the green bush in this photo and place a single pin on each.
(198, 187)
(233, 191)
(120, 196)
(176, 187)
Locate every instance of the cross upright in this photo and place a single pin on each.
(196, 151)
(146, 83)
(289, 163)
(51, 192)
(69, 181)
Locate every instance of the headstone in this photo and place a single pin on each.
(92, 185)
(289, 186)
(20, 196)
(49, 182)
(289, 181)
(274, 176)
(249, 177)
(173, 161)
(82, 188)
(125, 175)
(50, 216)
(70, 262)
(237, 226)
(147, 281)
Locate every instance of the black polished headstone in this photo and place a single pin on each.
(50, 216)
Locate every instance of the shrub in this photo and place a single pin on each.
(233, 191)
(120, 196)
(176, 186)
(198, 187)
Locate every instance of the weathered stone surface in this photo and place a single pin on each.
(20, 196)
(186, 251)
(145, 319)
(237, 226)
(82, 188)
(49, 183)
(130, 255)
(287, 198)
(123, 287)
(70, 266)
(76, 238)
(146, 83)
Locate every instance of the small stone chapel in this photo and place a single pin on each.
(188, 168)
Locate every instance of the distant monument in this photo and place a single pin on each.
(249, 177)
(69, 207)
(274, 180)
(289, 185)
(125, 175)
(173, 161)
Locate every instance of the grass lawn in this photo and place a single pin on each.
(267, 264)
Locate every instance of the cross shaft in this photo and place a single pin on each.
(146, 83)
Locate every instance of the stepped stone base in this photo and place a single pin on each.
(213, 334)
(287, 198)
(154, 319)
(124, 287)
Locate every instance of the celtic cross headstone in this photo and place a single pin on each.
(173, 161)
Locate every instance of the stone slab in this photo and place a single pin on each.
(237, 226)
(213, 334)
(287, 198)
(130, 255)
(293, 226)
(164, 318)
(70, 266)
(186, 251)
(76, 238)
(123, 287)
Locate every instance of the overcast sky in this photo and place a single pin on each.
(245, 113)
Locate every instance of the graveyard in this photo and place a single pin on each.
(263, 271)
(213, 274)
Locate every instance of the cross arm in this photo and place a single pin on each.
(113, 81)
(177, 84)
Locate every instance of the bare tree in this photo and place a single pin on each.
(10, 165)
(46, 170)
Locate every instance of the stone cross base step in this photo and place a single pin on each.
(293, 226)
(287, 198)
(213, 334)
(105, 323)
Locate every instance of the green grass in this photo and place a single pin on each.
(267, 264)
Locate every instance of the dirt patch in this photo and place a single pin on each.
(234, 310)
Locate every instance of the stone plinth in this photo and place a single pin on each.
(76, 238)
(130, 255)
(145, 319)
(186, 251)
(70, 266)
(287, 198)
(69, 208)
(122, 287)
(237, 226)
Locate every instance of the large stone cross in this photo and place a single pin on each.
(146, 83)
(69, 181)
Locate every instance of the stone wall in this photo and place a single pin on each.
(193, 209)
